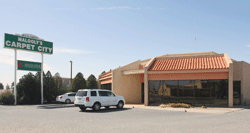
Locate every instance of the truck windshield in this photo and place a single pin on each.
(81, 93)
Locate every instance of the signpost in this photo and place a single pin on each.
(31, 43)
(27, 65)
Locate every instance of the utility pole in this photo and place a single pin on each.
(71, 73)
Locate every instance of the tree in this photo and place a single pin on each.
(61, 88)
(1, 86)
(78, 83)
(103, 72)
(12, 86)
(27, 90)
(91, 82)
(7, 87)
(49, 88)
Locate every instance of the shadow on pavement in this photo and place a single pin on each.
(55, 106)
(241, 106)
(103, 110)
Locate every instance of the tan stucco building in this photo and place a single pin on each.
(201, 78)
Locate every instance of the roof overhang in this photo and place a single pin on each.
(106, 78)
(128, 72)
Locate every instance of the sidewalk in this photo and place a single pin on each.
(217, 110)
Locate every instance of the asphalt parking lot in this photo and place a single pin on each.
(68, 118)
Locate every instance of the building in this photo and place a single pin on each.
(66, 81)
(201, 78)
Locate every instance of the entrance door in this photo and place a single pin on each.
(237, 93)
(142, 92)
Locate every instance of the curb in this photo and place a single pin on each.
(193, 110)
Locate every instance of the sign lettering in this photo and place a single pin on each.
(28, 44)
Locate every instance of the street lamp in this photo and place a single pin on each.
(71, 72)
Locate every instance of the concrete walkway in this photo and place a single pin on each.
(217, 110)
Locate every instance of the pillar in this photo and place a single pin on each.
(146, 86)
(230, 86)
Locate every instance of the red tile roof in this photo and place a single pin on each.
(189, 63)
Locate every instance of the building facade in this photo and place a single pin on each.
(66, 81)
(201, 78)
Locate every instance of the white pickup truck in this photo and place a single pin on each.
(97, 98)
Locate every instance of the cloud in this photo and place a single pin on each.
(7, 52)
(111, 8)
(7, 57)
(72, 51)
(108, 8)
(46, 68)
(6, 60)
(65, 9)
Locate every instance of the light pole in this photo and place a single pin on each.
(71, 73)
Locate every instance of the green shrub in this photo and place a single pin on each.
(7, 98)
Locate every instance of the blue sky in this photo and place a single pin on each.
(100, 35)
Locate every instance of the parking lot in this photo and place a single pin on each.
(67, 118)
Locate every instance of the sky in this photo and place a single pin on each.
(99, 35)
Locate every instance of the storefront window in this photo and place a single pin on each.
(195, 92)
(169, 91)
(186, 91)
(154, 97)
(106, 86)
(221, 93)
(202, 93)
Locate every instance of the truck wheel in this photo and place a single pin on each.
(120, 105)
(96, 107)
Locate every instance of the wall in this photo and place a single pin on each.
(237, 68)
(245, 83)
(242, 73)
(128, 86)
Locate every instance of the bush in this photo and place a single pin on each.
(176, 105)
(7, 98)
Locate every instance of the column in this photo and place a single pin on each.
(230, 86)
(146, 86)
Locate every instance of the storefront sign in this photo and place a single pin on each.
(27, 65)
(28, 44)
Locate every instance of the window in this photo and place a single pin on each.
(93, 93)
(103, 93)
(70, 95)
(81, 93)
(196, 92)
(110, 94)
